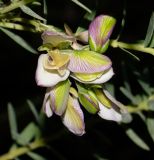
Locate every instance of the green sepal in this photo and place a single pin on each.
(88, 99)
(102, 98)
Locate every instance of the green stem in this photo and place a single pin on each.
(23, 150)
(137, 47)
(38, 143)
(14, 5)
(16, 26)
(27, 25)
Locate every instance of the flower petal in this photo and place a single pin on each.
(102, 79)
(45, 78)
(119, 107)
(100, 30)
(87, 77)
(88, 62)
(57, 39)
(109, 114)
(118, 112)
(82, 36)
(46, 103)
(73, 118)
(59, 97)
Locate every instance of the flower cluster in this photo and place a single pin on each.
(74, 74)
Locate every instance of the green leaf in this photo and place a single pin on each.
(151, 103)
(98, 157)
(145, 87)
(136, 139)
(150, 32)
(122, 21)
(45, 8)
(129, 95)
(82, 5)
(12, 121)
(30, 131)
(18, 40)
(30, 12)
(150, 118)
(90, 16)
(133, 55)
(150, 126)
(34, 111)
(35, 156)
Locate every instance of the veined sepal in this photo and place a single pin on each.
(59, 97)
(88, 99)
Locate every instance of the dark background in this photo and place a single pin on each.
(17, 68)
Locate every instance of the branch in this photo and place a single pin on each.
(14, 5)
(136, 47)
(38, 143)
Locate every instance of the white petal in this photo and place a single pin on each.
(109, 114)
(48, 110)
(102, 79)
(45, 78)
(46, 104)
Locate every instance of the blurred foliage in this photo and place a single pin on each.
(36, 140)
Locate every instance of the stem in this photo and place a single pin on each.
(34, 26)
(14, 5)
(22, 150)
(16, 26)
(38, 143)
(141, 107)
(137, 47)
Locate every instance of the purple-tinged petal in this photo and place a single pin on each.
(100, 30)
(88, 62)
(82, 36)
(46, 103)
(73, 117)
(55, 38)
(99, 80)
(45, 78)
(59, 97)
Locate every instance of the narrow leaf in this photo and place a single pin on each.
(150, 31)
(34, 111)
(133, 55)
(12, 121)
(82, 5)
(45, 8)
(150, 118)
(30, 12)
(136, 139)
(128, 94)
(18, 40)
(29, 132)
(35, 156)
(145, 87)
(90, 16)
(150, 126)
